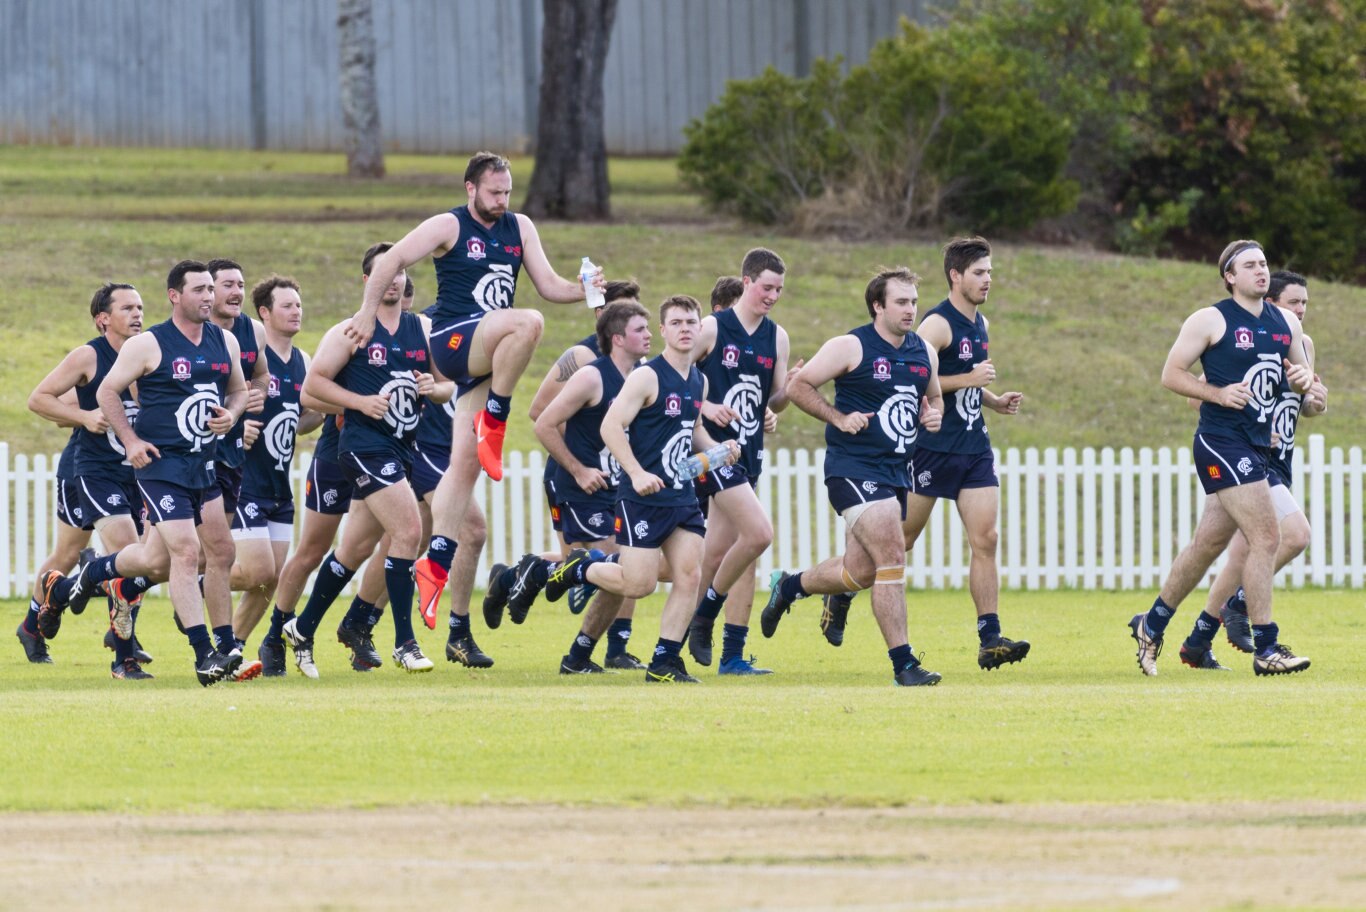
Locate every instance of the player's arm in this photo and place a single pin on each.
(932, 404)
(1201, 330)
(706, 339)
(549, 284)
(138, 357)
(434, 236)
(1299, 372)
(583, 390)
(701, 440)
(836, 358)
(322, 391)
(1316, 400)
(782, 374)
(639, 390)
(49, 398)
(934, 330)
(260, 375)
(574, 357)
(236, 394)
(309, 419)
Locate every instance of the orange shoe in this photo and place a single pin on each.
(431, 582)
(489, 432)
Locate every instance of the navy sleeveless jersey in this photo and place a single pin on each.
(102, 454)
(888, 382)
(551, 467)
(66, 462)
(386, 365)
(479, 274)
(583, 437)
(434, 427)
(739, 371)
(266, 471)
(963, 429)
(1250, 351)
(661, 435)
(328, 438)
(231, 451)
(177, 400)
(1284, 420)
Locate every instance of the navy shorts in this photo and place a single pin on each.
(369, 473)
(427, 471)
(167, 501)
(946, 474)
(1275, 474)
(451, 352)
(263, 517)
(639, 525)
(586, 521)
(1221, 462)
(102, 496)
(709, 484)
(70, 509)
(849, 492)
(551, 501)
(230, 483)
(327, 490)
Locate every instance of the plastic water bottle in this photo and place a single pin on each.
(698, 463)
(592, 294)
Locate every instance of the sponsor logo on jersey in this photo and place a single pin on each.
(273, 391)
(1242, 338)
(180, 369)
(673, 405)
(376, 354)
(474, 249)
(730, 356)
(882, 369)
(965, 349)
(1214, 472)
(454, 342)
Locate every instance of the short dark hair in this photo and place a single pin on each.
(759, 259)
(612, 321)
(373, 254)
(617, 289)
(1230, 253)
(175, 280)
(681, 302)
(726, 292)
(960, 253)
(1282, 278)
(263, 295)
(216, 266)
(483, 162)
(408, 288)
(876, 292)
(103, 301)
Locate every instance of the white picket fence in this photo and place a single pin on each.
(1069, 518)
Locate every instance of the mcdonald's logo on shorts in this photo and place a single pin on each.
(455, 340)
(1213, 472)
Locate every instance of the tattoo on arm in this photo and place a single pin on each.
(567, 364)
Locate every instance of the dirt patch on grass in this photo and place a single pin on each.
(520, 857)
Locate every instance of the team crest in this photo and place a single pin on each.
(474, 249)
(377, 355)
(730, 356)
(882, 369)
(180, 369)
(924, 479)
(673, 405)
(1244, 465)
(274, 390)
(965, 349)
(1242, 338)
(869, 487)
(596, 520)
(641, 529)
(167, 503)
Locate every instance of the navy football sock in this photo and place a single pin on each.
(31, 619)
(332, 578)
(441, 551)
(667, 648)
(791, 588)
(1202, 634)
(1264, 637)
(278, 619)
(398, 579)
(1237, 602)
(198, 635)
(460, 626)
(618, 635)
(123, 649)
(358, 615)
(901, 657)
(733, 642)
(988, 627)
(223, 640)
(498, 407)
(712, 603)
(581, 650)
(1158, 617)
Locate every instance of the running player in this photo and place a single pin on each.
(1247, 347)
(886, 383)
(478, 250)
(743, 354)
(1226, 603)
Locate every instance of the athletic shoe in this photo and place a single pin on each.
(524, 590)
(143, 656)
(834, 616)
(128, 670)
(431, 582)
(916, 675)
(580, 596)
(35, 646)
(272, 656)
(698, 636)
(737, 665)
(120, 618)
(410, 658)
(1000, 651)
(669, 670)
(362, 646)
(489, 433)
(246, 671)
(1279, 661)
(495, 597)
(1149, 646)
(216, 667)
(358, 666)
(82, 592)
(777, 605)
(560, 579)
(624, 662)
(49, 614)
(569, 666)
(1237, 627)
(303, 649)
(465, 651)
(1201, 657)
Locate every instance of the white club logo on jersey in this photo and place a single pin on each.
(1283, 422)
(968, 403)
(743, 399)
(280, 434)
(114, 500)
(1263, 381)
(676, 452)
(1244, 465)
(130, 411)
(494, 291)
(596, 520)
(897, 417)
(402, 392)
(609, 466)
(193, 415)
(78, 513)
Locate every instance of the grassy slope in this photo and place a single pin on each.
(1075, 722)
(1082, 334)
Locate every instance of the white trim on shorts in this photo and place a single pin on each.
(626, 524)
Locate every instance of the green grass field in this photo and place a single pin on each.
(1076, 722)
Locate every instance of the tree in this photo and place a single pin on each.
(359, 100)
(570, 180)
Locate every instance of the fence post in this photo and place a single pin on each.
(1355, 519)
(1127, 558)
(1031, 527)
(1318, 486)
(7, 520)
(1051, 558)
